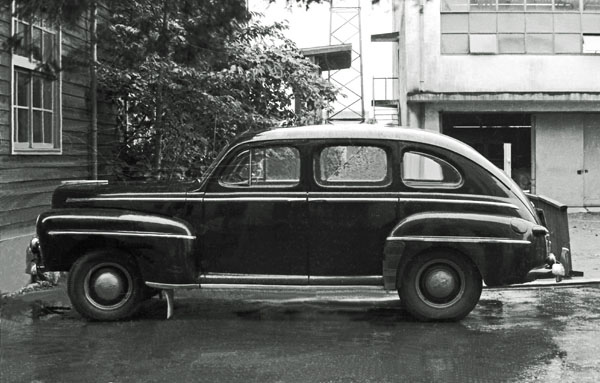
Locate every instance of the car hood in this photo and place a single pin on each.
(77, 192)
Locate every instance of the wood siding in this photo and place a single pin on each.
(27, 181)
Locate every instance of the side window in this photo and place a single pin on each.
(263, 167)
(353, 165)
(421, 170)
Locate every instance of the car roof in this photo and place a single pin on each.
(373, 132)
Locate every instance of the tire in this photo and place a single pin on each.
(440, 285)
(105, 285)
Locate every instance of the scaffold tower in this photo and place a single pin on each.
(345, 28)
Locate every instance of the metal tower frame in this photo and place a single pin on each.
(345, 28)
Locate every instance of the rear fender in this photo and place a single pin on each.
(163, 247)
(502, 248)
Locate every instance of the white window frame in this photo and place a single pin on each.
(30, 65)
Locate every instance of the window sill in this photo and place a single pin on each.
(36, 152)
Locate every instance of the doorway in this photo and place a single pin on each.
(503, 138)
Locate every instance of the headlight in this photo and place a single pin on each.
(34, 245)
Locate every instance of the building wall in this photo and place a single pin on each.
(564, 121)
(27, 181)
(487, 73)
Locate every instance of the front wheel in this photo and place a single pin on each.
(440, 285)
(105, 285)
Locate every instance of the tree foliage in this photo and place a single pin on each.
(187, 75)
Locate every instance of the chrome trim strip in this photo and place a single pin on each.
(459, 239)
(253, 278)
(460, 201)
(351, 199)
(249, 193)
(158, 285)
(120, 233)
(353, 280)
(143, 194)
(126, 199)
(251, 199)
(124, 217)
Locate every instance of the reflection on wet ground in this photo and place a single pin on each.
(547, 335)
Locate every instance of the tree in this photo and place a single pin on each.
(187, 82)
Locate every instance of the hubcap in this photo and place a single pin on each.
(440, 283)
(108, 286)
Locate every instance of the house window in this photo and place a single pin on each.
(36, 121)
(519, 26)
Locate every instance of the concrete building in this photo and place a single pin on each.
(519, 80)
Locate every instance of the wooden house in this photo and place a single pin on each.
(45, 125)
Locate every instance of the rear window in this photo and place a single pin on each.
(352, 165)
(422, 170)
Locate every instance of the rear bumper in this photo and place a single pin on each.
(556, 267)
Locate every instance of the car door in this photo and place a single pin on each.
(255, 217)
(352, 208)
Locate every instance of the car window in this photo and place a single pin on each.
(263, 167)
(423, 170)
(351, 164)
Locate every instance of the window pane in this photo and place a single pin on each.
(483, 5)
(567, 43)
(482, 22)
(48, 124)
(511, 5)
(591, 5)
(455, 43)
(48, 46)
(566, 5)
(22, 88)
(424, 170)
(539, 43)
(355, 164)
(539, 5)
(513, 43)
(275, 166)
(48, 93)
(22, 32)
(591, 44)
(22, 125)
(36, 43)
(37, 92)
(455, 5)
(591, 23)
(453, 23)
(483, 44)
(37, 126)
(539, 22)
(567, 23)
(511, 22)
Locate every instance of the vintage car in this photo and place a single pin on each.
(404, 209)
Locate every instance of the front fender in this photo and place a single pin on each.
(162, 246)
(503, 248)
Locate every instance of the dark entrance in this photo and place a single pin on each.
(488, 132)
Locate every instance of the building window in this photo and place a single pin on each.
(519, 26)
(36, 121)
(591, 44)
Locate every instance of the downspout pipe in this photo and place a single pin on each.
(94, 90)
(421, 45)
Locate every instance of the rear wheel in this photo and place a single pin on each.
(440, 285)
(105, 285)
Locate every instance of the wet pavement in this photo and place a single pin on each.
(547, 334)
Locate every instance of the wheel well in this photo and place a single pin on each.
(406, 259)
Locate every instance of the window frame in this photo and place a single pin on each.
(425, 184)
(30, 66)
(384, 183)
(233, 156)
